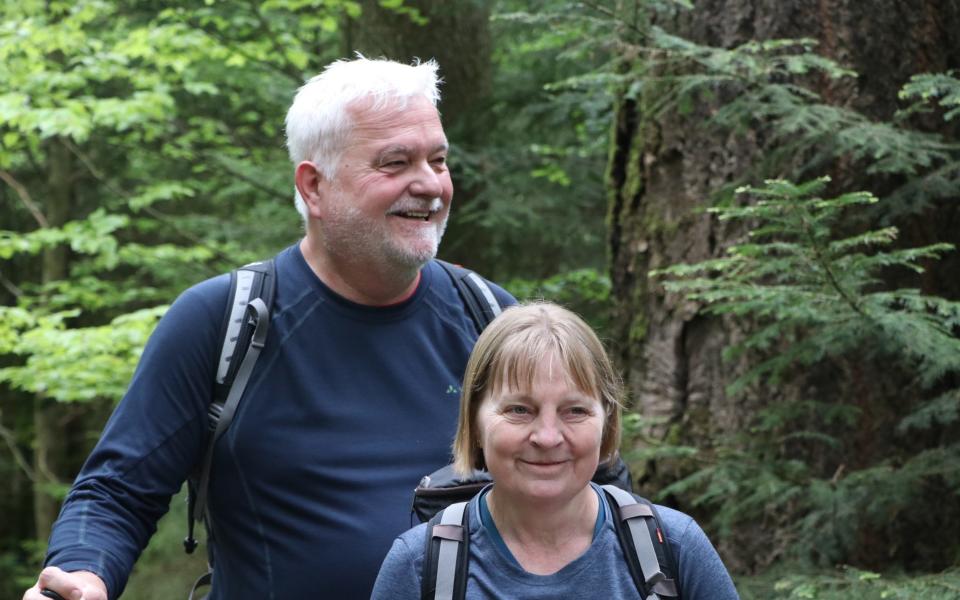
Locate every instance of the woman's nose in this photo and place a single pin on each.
(546, 432)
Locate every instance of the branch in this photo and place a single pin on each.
(25, 198)
(221, 163)
(295, 76)
(18, 457)
(825, 263)
(10, 286)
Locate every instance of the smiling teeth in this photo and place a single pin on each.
(424, 215)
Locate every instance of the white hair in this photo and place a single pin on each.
(318, 122)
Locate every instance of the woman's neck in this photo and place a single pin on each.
(544, 538)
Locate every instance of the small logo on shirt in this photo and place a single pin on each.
(454, 389)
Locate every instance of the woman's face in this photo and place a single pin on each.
(541, 444)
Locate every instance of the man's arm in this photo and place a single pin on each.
(149, 446)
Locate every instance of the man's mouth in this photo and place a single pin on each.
(416, 215)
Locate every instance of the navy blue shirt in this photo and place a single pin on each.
(348, 407)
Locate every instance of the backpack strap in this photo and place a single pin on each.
(479, 299)
(244, 332)
(445, 559)
(640, 532)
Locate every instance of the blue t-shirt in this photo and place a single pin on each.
(600, 572)
(348, 407)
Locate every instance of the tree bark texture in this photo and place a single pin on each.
(663, 172)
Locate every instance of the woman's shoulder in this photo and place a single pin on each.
(702, 572)
(413, 538)
(676, 524)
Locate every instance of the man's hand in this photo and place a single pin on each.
(79, 585)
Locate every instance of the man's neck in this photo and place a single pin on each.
(361, 283)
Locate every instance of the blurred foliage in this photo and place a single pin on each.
(584, 291)
(539, 204)
(798, 581)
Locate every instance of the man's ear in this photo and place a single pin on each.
(310, 183)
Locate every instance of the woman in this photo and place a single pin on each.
(540, 409)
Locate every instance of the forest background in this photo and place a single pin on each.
(755, 202)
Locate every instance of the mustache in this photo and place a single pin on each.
(414, 204)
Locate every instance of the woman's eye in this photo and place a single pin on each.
(518, 410)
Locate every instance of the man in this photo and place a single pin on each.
(354, 397)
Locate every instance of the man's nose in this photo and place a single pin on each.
(428, 182)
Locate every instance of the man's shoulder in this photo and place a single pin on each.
(503, 297)
(212, 292)
(205, 295)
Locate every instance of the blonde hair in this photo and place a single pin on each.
(509, 352)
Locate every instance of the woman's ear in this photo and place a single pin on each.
(311, 184)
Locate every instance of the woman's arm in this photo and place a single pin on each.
(702, 573)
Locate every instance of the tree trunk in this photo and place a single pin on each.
(48, 415)
(663, 172)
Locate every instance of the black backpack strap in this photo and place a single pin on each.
(640, 532)
(445, 557)
(244, 333)
(479, 299)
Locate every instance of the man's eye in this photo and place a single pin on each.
(440, 160)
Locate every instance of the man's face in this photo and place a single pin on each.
(389, 200)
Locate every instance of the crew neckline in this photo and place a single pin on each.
(490, 527)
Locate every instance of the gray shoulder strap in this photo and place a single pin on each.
(478, 298)
(634, 513)
(486, 292)
(238, 306)
(451, 531)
